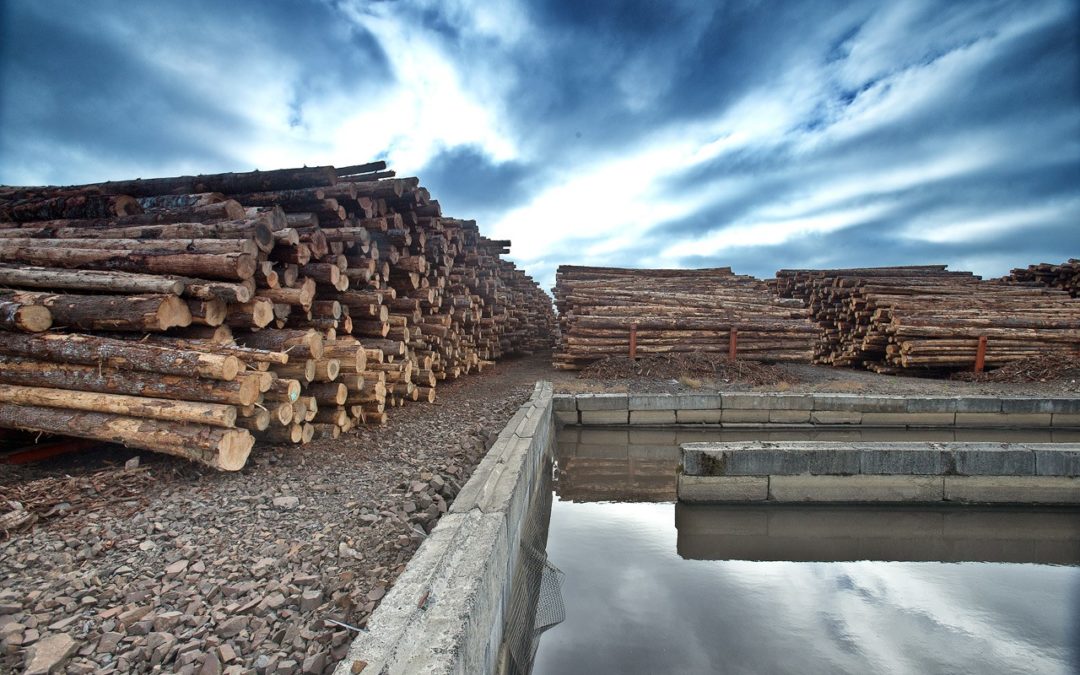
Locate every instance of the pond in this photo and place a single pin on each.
(654, 587)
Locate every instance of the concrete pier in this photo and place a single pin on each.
(921, 473)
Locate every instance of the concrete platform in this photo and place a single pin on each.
(880, 472)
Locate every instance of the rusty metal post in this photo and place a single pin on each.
(733, 343)
(633, 341)
(980, 355)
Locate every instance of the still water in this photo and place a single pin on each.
(655, 587)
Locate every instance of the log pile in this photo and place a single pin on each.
(675, 311)
(926, 318)
(1065, 276)
(194, 315)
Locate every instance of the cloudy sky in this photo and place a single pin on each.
(674, 133)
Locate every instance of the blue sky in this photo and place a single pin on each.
(754, 134)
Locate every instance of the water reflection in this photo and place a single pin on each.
(651, 587)
(639, 464)
(635, 605)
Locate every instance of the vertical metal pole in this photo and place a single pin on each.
(633, 341)
(980, 355)
(733, 343)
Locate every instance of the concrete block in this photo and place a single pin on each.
(927, 404)
(904, 462)
(711, 489)
(1068, 406)
(535, 417)
(567, 416)
(652, 402)
(464, 609)
(835, 417)
(602, 402)
(1013, 489)
(1065, 420)
(564, 402)
(1057, 461)
(695, 416)
(516, 419)
(742, 415)
(988, 460)
(912, 489)
(605, 416)
(764, 461)
(698, 402)
(398, 609)
(503, 488)
(472, 492)
(753, 401)
(1027, 405)
(789, 416)
(905, 419)
(978, 404)
(1002, 419)
(860, 403)
(652, 417)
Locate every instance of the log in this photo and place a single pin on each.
(107, 312)
(88, 280)
(26, 318)
(225, 183)
(214, 414)
(107, 352)
(92, 378)
(79, 206)
(225, 449)
(229, 266)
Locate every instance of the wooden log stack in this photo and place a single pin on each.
(672, 311)
(927, 319)
(1065, 276)
(195, 315)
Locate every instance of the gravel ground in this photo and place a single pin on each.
(173, 568)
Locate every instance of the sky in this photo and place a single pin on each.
(753, 134)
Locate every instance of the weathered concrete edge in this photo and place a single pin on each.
(445, 613)
(879, 458)
(882, 472)
(816, 409)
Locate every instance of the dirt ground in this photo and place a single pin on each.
(171, 567)
(803, 378)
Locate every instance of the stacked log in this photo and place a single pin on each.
(301, 303)
(1065, 276)
(671, 311)
(926, 318)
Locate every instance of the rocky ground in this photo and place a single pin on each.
(164, 566)
(170, 567)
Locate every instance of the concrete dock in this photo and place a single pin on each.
(881, 472)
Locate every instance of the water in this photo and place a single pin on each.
(655, 587)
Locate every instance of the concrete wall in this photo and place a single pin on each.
(445, 613)
(1002, 473)
(760, 410)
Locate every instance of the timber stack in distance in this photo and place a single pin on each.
(1065, 276)
(673, 311)
(925, 318)
(194, 315)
